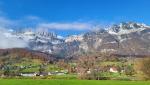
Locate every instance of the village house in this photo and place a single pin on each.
(29, 74)
(113, 70)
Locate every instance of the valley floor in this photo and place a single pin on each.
(69, 82)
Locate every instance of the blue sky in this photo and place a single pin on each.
(67, 17)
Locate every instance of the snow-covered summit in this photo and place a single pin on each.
(41, 41)
(127, 27)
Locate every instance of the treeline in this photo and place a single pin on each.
(90, 66)
(21, 53)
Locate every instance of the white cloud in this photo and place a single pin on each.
(11, 43)
(31, 17)
(24, 23)
(66, 26)
(5, 22)
(7, 41)
(37, 23)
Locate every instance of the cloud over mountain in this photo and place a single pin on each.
(8, 41)
(66, 26)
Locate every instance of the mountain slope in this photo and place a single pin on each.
(127, 38)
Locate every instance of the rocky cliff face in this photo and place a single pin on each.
(39, 41)
(127, 38)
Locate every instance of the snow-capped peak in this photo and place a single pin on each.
(74, 38)
(127, 27)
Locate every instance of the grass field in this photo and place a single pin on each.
(69, 82)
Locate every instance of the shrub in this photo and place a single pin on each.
(145, 68)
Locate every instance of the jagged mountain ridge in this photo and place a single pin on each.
(127, 38)
(40, 41)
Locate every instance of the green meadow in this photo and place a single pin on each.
(69, 82)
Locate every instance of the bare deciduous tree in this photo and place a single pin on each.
(88, 67)
(145, 67)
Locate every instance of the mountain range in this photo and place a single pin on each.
(126, 38)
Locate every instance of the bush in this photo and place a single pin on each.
(145, 68)
(129, 70)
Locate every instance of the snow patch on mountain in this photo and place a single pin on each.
(74, 38)
(126, 28)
